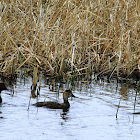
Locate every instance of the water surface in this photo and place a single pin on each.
(91, 116)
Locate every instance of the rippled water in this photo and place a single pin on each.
(91, 116)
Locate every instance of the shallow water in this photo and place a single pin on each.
(91, 116)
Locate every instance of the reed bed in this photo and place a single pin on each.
(65, 37)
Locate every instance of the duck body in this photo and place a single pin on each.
(52, 105)
(56, 105)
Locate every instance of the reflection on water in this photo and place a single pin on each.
(124, 91)
(91, 115)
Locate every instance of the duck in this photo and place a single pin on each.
(2, 87)
(56, 105)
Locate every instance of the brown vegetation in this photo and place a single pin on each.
(62, 36)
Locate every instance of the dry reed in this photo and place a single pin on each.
(62, 36)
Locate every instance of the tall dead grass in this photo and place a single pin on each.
(62, 36)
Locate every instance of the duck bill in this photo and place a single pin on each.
(72, 96)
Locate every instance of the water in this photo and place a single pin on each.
(91, 116)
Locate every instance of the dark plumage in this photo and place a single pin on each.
(55, 105)
(2, 87)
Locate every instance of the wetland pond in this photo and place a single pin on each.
(92, 114)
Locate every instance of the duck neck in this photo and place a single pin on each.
(66, 102)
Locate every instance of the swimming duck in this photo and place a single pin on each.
(2, 87)
(55, 105)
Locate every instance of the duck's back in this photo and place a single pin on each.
(53, 105)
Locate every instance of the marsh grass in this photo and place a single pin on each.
(62, 37)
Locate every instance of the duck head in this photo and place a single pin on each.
(67, 94)
(2, 87)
